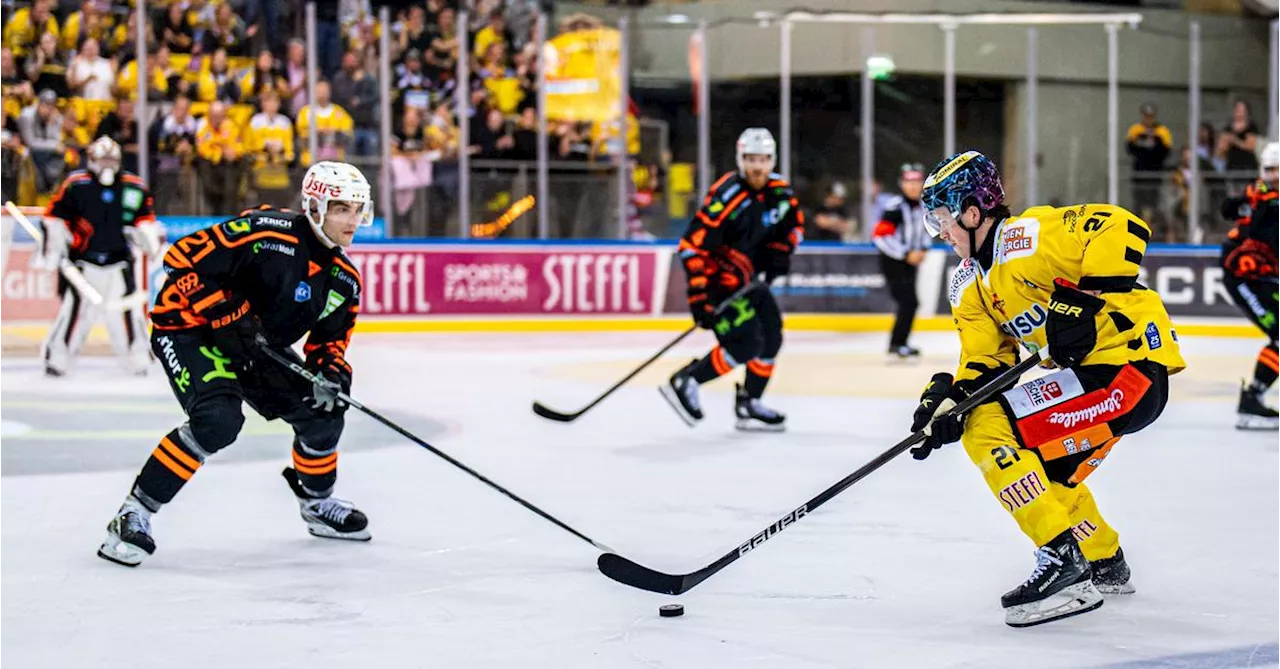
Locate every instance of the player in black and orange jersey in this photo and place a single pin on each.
(95, 221)
(749, 223)
(1249, 260)
(264, 278)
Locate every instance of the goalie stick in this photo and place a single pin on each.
(73, 275)
(635, 575)
(551, 414)
(298, 369)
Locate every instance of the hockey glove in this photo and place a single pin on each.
(934, 416)
(1251, 260)
(238, 340)
(703, 312)
(775, 265)
(1071, 331)
(332, 377)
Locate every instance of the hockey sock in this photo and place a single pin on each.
(317, 470)
(170, 466)
(1265, 372)
(717, 363)
(758, 372)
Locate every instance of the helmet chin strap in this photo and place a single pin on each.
(318, 226)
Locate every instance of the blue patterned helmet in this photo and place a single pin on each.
(960, 177)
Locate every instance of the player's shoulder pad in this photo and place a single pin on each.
(726, 187)
(132, 179)
(963, 277)
(779, 186)
(280, 220)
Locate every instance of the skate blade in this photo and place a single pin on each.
(326, 532)
(1115, 588)
(119, 552)
(753, 425)
(1246, 421)
(669, 394)
(1070, 601)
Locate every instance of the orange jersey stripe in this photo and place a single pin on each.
(209, 301)
(718, 362)
(241, 241)
(760, 368)
(314, 462)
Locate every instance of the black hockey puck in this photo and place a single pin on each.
(671, 610)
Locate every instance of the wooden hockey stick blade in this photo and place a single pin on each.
(551, 414)
(638, 576)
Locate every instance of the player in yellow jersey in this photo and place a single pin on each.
(1065, 278)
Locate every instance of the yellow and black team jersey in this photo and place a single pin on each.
(737, 227)
(266, 263)
(1099, 247)
(97, 215)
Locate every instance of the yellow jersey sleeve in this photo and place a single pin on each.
(984, 347)
(1113, 241)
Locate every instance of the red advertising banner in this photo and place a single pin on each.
(419, 280)
(29, 294)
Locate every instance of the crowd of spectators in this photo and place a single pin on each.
(226, 86)
(1226, 158)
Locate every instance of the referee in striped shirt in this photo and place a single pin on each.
(902, 240)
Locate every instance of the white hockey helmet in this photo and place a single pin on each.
(756, 141)
(103, 159)
(1270, 158)
(327, 181)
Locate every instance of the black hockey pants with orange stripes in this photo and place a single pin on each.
(212, 391)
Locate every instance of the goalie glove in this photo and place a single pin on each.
(934, 416)
(148, 238)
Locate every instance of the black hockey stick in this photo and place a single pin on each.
(629, 573)
(551, 414)
(302, 371)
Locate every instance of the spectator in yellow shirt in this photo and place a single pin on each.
(127, 80)
(26, 26)
(90, 21)
(217, 83)
(333, 126)
(218, 152)
(494, 33)
(270, 138)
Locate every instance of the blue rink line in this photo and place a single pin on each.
(1260, 655)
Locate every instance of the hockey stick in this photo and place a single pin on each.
(302, 371)
(73, 275)
(630, 573)
(551, 414)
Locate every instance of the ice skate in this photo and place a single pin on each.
(1059, 587)
(904, 353)
(681, 392)
(328, 517)
(1111, 575)
(1252, 414)
(128, 539)
(754, 416)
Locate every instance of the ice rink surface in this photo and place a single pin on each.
(905, 569)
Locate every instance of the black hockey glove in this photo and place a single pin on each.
(775, 265)
(238, 340)
(703, 312)
(1071, 331)
(333, 377)
(934, 416)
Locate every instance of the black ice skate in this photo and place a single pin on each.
(128, 539)
(1111, 575)
(904, 353)
(1059, 587)
(754, 416)
(328, 517)
(1252, 414)
(681, 392)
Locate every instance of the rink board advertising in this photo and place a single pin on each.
(583, 280)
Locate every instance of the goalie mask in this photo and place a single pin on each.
(103, 160)
(330, 181)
